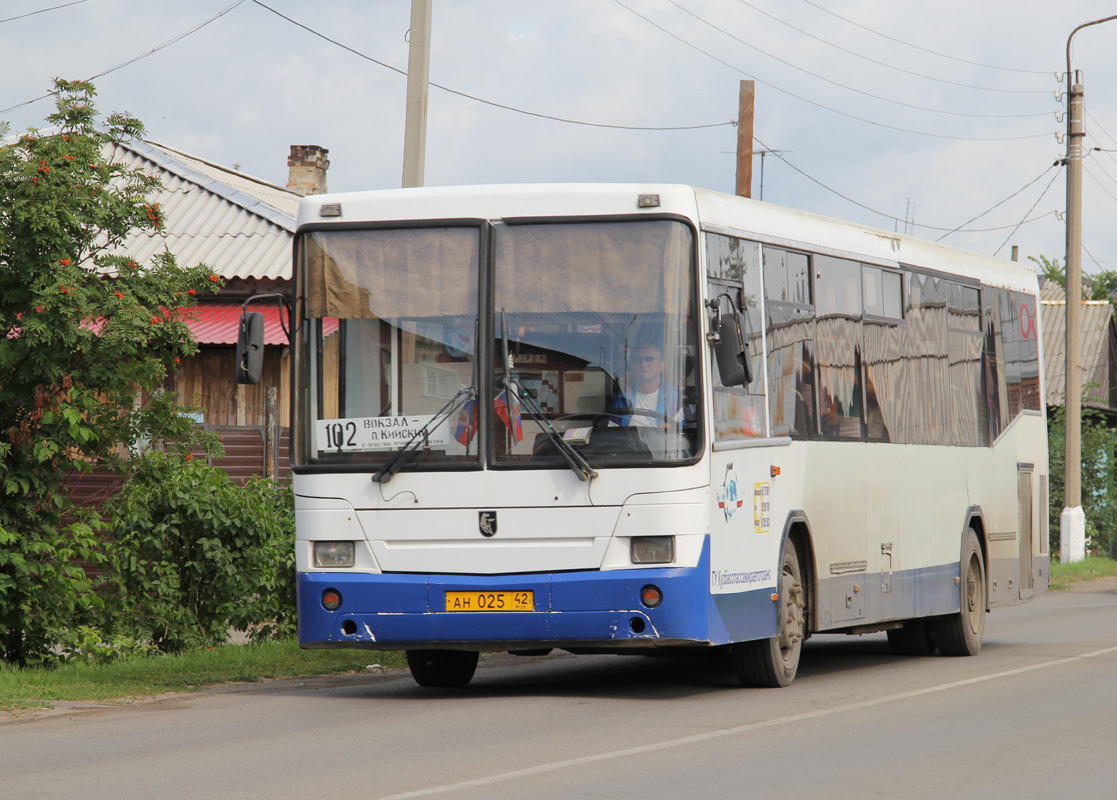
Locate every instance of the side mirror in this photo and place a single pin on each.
(732, 352)
(250, 347)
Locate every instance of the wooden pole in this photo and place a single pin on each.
(418, 79)
(271, 434)
(744, 138)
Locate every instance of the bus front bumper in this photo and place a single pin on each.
(582, 609)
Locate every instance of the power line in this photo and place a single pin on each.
(1029, 211)
(991, 208)
(1100, 184)
(1108, 135)
(1096, 262)
(1104, 171)
(738, 39)
(892, 218)
(820, 105)
(491, 102)
(923, 49)
(43, 11)
(840, 85)
(130, 61)
(886, 64)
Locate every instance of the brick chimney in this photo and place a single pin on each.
(307, 167)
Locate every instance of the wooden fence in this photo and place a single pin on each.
(246, 455)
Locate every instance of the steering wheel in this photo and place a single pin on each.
(602, 418)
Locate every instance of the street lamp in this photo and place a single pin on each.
(1072, 522)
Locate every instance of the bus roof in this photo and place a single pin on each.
(712, 211)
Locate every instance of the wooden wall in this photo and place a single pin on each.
(207, 381)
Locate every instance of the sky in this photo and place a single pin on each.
(943, 119)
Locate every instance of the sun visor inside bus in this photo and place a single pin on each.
(614, 267)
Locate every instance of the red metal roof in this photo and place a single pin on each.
(219, 323)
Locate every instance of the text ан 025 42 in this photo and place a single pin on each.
(490, 601)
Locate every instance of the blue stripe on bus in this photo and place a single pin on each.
(584, 608)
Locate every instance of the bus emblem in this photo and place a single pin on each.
(728, 499)
(486, 521)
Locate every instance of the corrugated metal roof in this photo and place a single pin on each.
(234, 229)
(1097, 333)
(219, 323)
(277, 196)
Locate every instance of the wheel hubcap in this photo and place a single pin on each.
(973, 595)
(791, 622)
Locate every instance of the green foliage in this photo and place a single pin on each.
(87, 644)
(1099, 479)
(83, 329)
(1064, 575)
(1051, 269)
(195, 555)
(1101, 285)
(123, 679)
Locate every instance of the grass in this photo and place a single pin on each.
(1063, 575)
(124, 680)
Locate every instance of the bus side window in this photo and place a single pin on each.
(792, 398)
(837, 292)
(733, 268)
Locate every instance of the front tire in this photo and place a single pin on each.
(442, 669)
(773, 662)
(961, 634)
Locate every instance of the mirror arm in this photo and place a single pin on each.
(284, 305)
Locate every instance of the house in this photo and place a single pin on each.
(1099, 351)
(242, 228)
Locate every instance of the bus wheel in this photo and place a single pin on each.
(442, 669)
(773, 662)
(916, 638)
(961, 634)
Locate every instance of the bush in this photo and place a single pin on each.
(195, 555)
(84, 329)
(1098, 475)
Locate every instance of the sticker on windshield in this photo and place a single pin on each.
(375, 433)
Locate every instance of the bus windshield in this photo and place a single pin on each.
(591, 330)
(595, 331)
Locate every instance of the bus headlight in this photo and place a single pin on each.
(653, 549)
(334, 554)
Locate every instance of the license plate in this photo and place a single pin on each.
(490, 601)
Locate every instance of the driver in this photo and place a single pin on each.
(648, 390)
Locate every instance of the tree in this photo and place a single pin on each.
(1099, 479)
(1050, 269)
(1102, 285)
(84, 330)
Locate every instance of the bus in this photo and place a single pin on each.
(654, 419)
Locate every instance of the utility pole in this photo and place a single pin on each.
(745, 104)
(1072, 522)
(762, 154)
(418, 80)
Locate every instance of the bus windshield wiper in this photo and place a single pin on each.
(419, 438)
(575, 460)
(517, 392)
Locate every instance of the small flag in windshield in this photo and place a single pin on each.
(466, 427)
(509, 413)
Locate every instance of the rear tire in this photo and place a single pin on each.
(442, 669)
(916, 638)
(961, 634)
(773, 662)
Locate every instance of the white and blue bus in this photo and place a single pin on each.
(614, 418)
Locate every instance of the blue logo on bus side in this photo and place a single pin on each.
(728, 498)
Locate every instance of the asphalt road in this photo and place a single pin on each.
(1033, 716)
